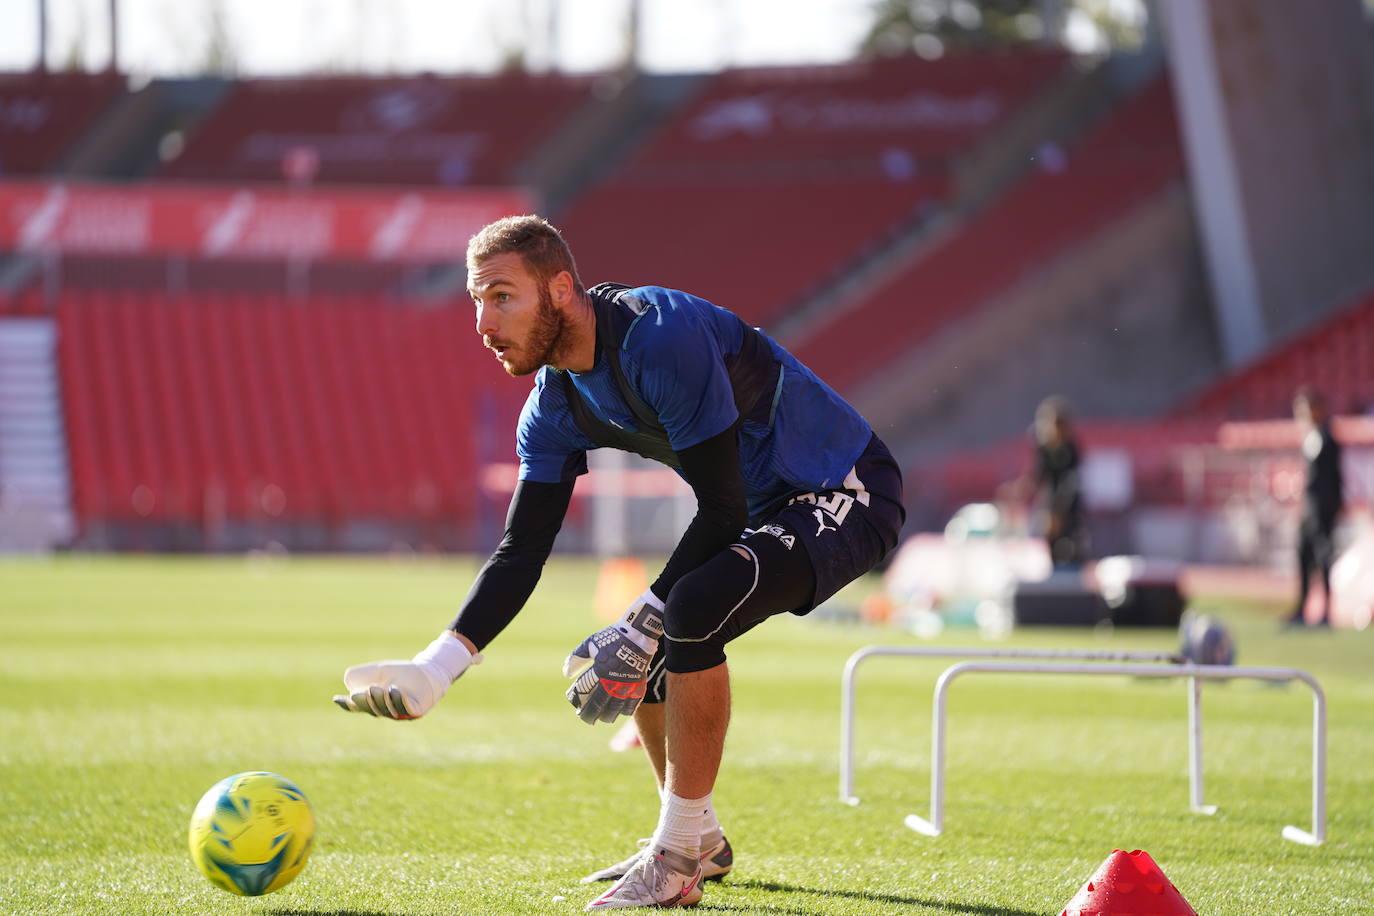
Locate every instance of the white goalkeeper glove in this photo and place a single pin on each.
(612, 665)
(407, 690)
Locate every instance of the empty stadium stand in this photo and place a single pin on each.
(43, 114)
(1337, 357)
(1232, 444)
(1231, 447)
(1131, 157)
(206, 414)
(751, 248)
(770, 181)
(888, 117)
(421, 130)
(212, 398)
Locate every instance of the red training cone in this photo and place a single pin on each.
(1128, 884)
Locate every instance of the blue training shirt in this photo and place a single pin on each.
(674, 359)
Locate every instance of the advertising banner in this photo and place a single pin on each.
(209, 221)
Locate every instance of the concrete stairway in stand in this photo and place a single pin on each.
(35, 487)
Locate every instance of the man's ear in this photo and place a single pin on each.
(561, 288)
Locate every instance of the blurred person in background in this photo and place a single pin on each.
(1057, 482)
(1321, 502)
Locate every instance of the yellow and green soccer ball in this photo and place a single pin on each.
(251, 833)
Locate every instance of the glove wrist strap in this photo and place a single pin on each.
(643, 624)
(448, 655)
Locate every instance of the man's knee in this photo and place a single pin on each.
(700, 614)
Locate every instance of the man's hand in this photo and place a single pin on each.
(407, 690)
(612, 665)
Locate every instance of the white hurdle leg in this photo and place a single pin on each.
(1195, 791)
(1317, 836)
(936, 824)
(847, 727)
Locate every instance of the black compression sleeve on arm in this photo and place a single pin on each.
(712, 469)
(506, 581)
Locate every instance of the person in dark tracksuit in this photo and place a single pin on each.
(1321, 503)
(1057, 481)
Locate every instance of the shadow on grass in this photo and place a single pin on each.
(969, 909)
(295, 911)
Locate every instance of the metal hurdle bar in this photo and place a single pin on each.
(851, 670)
(1195, 673)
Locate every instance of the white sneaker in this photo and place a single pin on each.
(716, 862)
(654, 880)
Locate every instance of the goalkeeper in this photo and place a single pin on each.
(795, 494)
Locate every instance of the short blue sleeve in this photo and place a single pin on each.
(676, 352)
(546, 440)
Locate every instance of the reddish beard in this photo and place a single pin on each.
(545, 338)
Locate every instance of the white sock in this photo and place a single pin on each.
(711, 832)
(680, 823)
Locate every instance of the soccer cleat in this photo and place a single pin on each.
(716, 862)
(654, 880)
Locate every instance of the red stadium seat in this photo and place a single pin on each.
(1337, 357)
(184, 409)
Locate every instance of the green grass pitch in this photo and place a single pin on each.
(131, 685)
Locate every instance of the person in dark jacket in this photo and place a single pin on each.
(1321, 504)
(1057, 482)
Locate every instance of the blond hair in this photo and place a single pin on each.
(534, 239)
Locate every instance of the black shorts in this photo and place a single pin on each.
(791, 560)
(847, 531)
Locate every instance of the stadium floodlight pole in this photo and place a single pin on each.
(851, 670)
(934, 826)
(41, 63)
(114, 36)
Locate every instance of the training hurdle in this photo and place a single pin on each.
(1102, 664)
(851, 670)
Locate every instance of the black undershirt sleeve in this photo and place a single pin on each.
(506, 581)
(712, 470)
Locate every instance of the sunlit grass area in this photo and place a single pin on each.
(133, 684)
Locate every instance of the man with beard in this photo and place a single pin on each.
(795, 498)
